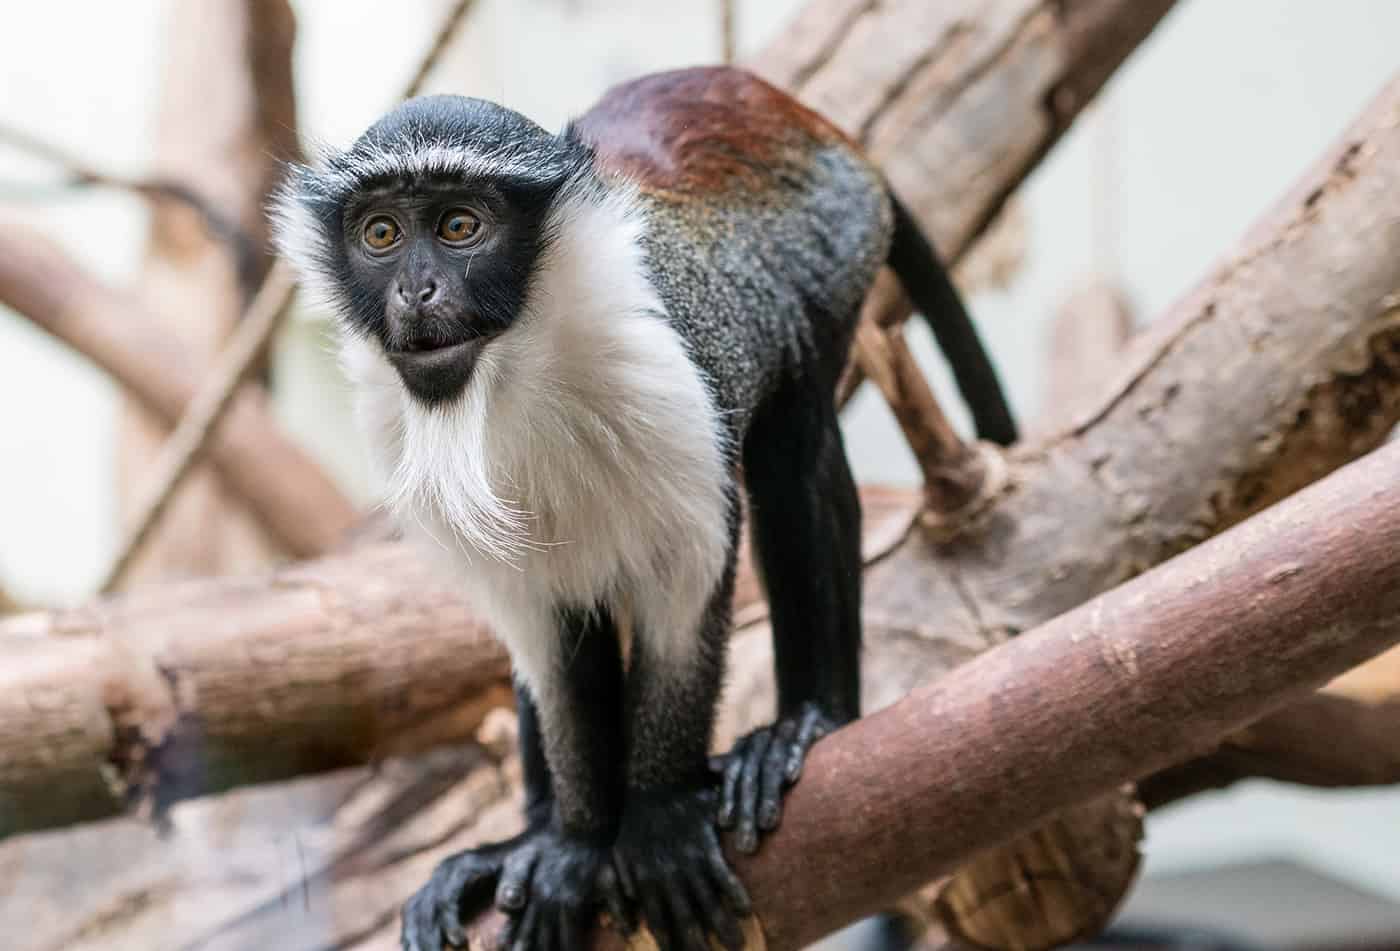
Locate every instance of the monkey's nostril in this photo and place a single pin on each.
(413, 293)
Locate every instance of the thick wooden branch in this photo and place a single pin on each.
(287, 490)
(1347, 734)
(180, 690)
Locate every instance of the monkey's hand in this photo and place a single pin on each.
(461, 888)
(552, 887)
(761, 767)
(671, 868)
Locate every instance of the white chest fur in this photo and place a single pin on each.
(581, 466)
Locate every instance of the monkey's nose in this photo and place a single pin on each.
(422, 294)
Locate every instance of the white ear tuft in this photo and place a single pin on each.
(300, 236)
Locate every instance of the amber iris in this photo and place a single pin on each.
(458, 225)
(381, 232)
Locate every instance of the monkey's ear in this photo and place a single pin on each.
(305, 216)
(535, 191)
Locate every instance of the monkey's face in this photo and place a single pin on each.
(424, 234)
(436, 271)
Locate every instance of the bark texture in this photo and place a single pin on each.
(185, 689)
(1087, 337)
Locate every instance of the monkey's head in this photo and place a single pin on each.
(424, 234)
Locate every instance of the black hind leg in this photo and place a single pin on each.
(806, 531)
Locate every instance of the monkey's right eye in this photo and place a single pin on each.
(381, 233)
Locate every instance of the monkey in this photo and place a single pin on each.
(571, 353)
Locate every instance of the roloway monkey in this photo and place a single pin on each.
(567, 347)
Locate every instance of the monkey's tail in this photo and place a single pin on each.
(926, 281)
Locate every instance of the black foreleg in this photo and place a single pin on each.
(668, 851)
(551, 878)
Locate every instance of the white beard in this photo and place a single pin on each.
(583, 463)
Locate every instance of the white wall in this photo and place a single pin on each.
(1208, 123)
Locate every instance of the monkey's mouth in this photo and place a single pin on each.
(437, 373)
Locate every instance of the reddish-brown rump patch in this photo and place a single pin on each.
(702, 130)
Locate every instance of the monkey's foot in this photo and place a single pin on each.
(671, 868)
(552, 887)
(460, 889)
(761, 767)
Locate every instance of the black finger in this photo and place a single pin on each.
(505, 939)
(715, 917)
(458, 895)
(770, 804)
(569, 930)
(685, 926)
(527, 936)
(658, 921)
(513, 891)
(613, 900)
(723, 876)
(746, 838)
(733, 771)
(412, 935)
(547, 937)
(624, 876)
(813, 727)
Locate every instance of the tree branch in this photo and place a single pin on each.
(79, 173)
(201, 417)
(1347, 734)
(185, 689)
(286, 489)
(955, 475)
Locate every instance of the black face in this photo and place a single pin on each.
(441, 269)
(434, 222)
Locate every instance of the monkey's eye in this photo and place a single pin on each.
(381, 233)
(458, 226)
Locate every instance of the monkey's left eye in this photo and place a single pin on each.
(381, 233)
(458, 226)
